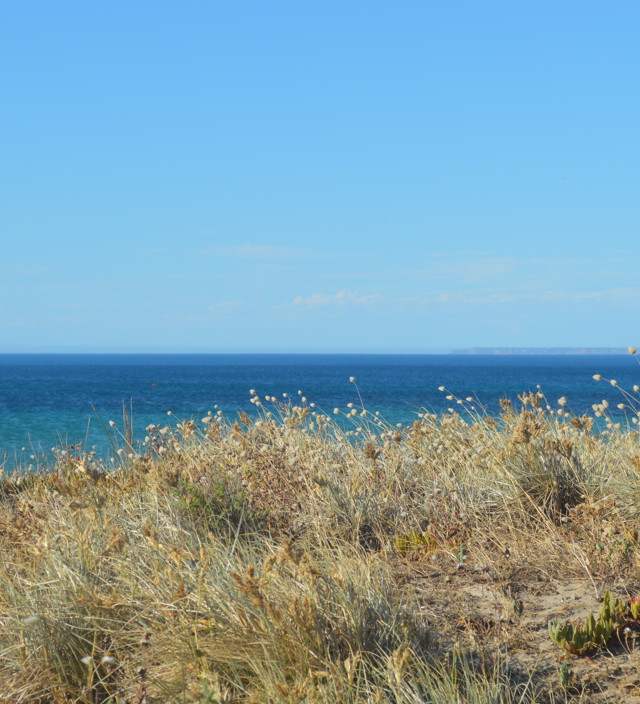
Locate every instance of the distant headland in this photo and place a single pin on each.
(542, 350)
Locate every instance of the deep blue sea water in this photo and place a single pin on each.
(50, 400)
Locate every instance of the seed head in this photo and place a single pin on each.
(352, 379)
(597, 377)
(632, 350)
(613, 382)
(112, 424)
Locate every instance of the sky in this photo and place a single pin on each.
(318, 176)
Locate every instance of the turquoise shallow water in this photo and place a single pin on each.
(50, 400)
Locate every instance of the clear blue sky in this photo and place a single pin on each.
(318, 175)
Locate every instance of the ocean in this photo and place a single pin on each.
(55, 400)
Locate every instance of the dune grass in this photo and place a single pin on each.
(299, 556)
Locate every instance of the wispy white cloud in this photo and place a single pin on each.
(341, 298)
(19, 270)
(480, 270)
(461, 270)
(486, 298)
(481, 299)
(225, 306)
(457, 299)
(470, 299)
(68, 306)
(258, 251)
(619, 295)
(466, 271)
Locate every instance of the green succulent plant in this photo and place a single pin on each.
(595, 633)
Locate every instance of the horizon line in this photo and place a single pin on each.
(428, 351)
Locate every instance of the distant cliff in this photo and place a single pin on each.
(542, 350)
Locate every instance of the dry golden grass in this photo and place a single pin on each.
(293, 558)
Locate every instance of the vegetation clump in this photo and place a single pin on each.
(300, 556)
(595, 633)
